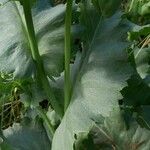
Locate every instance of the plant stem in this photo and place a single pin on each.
(37, 58)
(131, 5)
(67, 88)
(46, 120)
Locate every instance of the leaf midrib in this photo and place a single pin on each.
(84, 59)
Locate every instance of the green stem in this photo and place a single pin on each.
(67, 88)
(46, 120)
(131, 5)
(37, 58)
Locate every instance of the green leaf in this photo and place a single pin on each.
(114, 135)
(83, 141)
(15, 54)
(137, 92)
(145, 9)
(32, 95)
(138, 31)
(142, 59)
(103, 74)
(139, 11)
(144, 115)
(141, 54)
(26, 137)
(53, 117)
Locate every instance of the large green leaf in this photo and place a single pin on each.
(15, 55)
(26, 137)
(97, 91)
